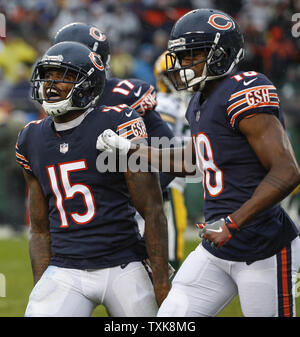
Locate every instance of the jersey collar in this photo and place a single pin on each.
(73, 123)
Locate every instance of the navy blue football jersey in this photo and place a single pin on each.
(136, 93)
(231, 168)
(92, 220)
(140, 96)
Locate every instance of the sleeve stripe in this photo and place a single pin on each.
(134, 105)
(275, 96)
(27, 167)
(33, 122)
(251, 89)
(243, 101)
(129, 133)
(126, 134)
(260, 105)
(124, 125)
(249, 116)
(21, 157)
(236, 104)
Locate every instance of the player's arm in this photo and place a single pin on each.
(270, 142)
(179, 162)
(146, 196)
(157, 128)
(39, 235)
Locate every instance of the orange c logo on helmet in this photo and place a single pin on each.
(97, 34)
(213, 23)
(96, 60)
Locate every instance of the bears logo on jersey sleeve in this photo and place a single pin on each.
(129, 125)
(253, 94)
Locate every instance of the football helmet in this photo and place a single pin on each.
(89, 35)
(209, 30)
(85, 66)
(163, 83)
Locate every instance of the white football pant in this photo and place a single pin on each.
(205, 284)
(126, 292)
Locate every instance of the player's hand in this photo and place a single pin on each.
(110, 141)
(161, 292)
(218, 232)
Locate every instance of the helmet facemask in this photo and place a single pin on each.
(80, 97)
(218, 63)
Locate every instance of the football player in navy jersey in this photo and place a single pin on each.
(250, 245)
(85, 247)
(137, 94)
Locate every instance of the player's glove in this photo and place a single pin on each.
(110, 141)
(218, 232)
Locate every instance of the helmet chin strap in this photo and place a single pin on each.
(63, 106)
(188, 76)
(57, 108)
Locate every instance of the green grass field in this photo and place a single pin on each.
(15, 266)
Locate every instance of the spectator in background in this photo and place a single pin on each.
(231, 7)
(18, 94)
(121, 63)
(253, 48)
(143, 68)
(12, 186)
(160, 42)
(162, 14)
(278, 53)
(128, 27)
(67, 12)
(16, 52)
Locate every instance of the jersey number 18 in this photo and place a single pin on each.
(213, 176)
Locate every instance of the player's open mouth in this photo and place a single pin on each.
(53, 94)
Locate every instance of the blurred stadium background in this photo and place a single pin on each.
(138, 31)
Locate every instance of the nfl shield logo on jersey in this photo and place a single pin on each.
(198, 113)
(64, 148)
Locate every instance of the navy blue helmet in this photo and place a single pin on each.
(210, 30)
(89, 35)
(68, 58)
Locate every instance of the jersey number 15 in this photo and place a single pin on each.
(70, 191)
